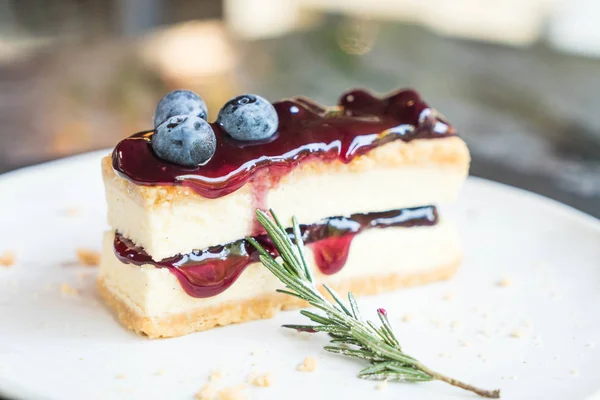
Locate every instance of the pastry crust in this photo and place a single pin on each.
(266, 306)
(450, 152)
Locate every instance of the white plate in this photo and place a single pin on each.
(54, 346)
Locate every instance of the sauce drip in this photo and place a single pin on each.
(209, 272)
(306, 130)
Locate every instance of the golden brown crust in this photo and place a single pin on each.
(450, 152)
(258, 308)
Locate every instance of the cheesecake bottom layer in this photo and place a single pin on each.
(151, 301)
(261, 307)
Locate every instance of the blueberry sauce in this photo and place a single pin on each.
(306, 130)
(208, 272)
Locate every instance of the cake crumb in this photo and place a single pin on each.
(71, 211)
(264, 380)
(574, 372)
(87, 257)
(517, 334)
(464, 343)
(382, 385)
(233, 393)
(445, 355)
(436, 323)
(254, 352)
(160, 372)
(68, 290)
(455, 324)
(407, 317)
(7, 259)
(207, 392)
(504, 282)
(308, 365)
(215, 375)
(121, 376)
(449, 296)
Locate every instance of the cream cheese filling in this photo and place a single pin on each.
(156, 292)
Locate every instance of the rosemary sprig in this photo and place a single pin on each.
(351, 335)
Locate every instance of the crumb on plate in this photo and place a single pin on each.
(215, 375)
(308, 365)
(407, 317)
(207, 392)
(71, 211)
(504, 282)
(449, 296)
(68, 290)
(87, 257)
(260, 380)
(233, 393)
(517, 334)
(7, 259)
(382, 385)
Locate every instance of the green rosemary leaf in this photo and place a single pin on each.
(281, 241)
(258, 247)
(376, 368)
(377, 331)
(302, 328)
(361, 354)
(393, 377)
(316, 317)
(387, 328)
(401, 369)
(289, 293)
(383, 349)
(354, 306)
(347, 341)
(300, 247)
(337, 299)
(333, 329)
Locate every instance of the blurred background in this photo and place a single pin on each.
(520, 79)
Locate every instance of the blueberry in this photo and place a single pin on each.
(248, 117)
(179, 102)
(185, 140)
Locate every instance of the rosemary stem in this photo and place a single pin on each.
(490, 394)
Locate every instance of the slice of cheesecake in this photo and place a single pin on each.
(362, 179)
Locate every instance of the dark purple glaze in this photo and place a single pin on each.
(208, 272)
(306, 130)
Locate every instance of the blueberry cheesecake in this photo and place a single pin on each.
(363, 178)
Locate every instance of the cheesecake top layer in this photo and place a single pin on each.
(306, 130)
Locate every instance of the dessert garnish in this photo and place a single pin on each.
(182, 135)
(351, 335)
(185, 140)
(179, 102)
(248, 117)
